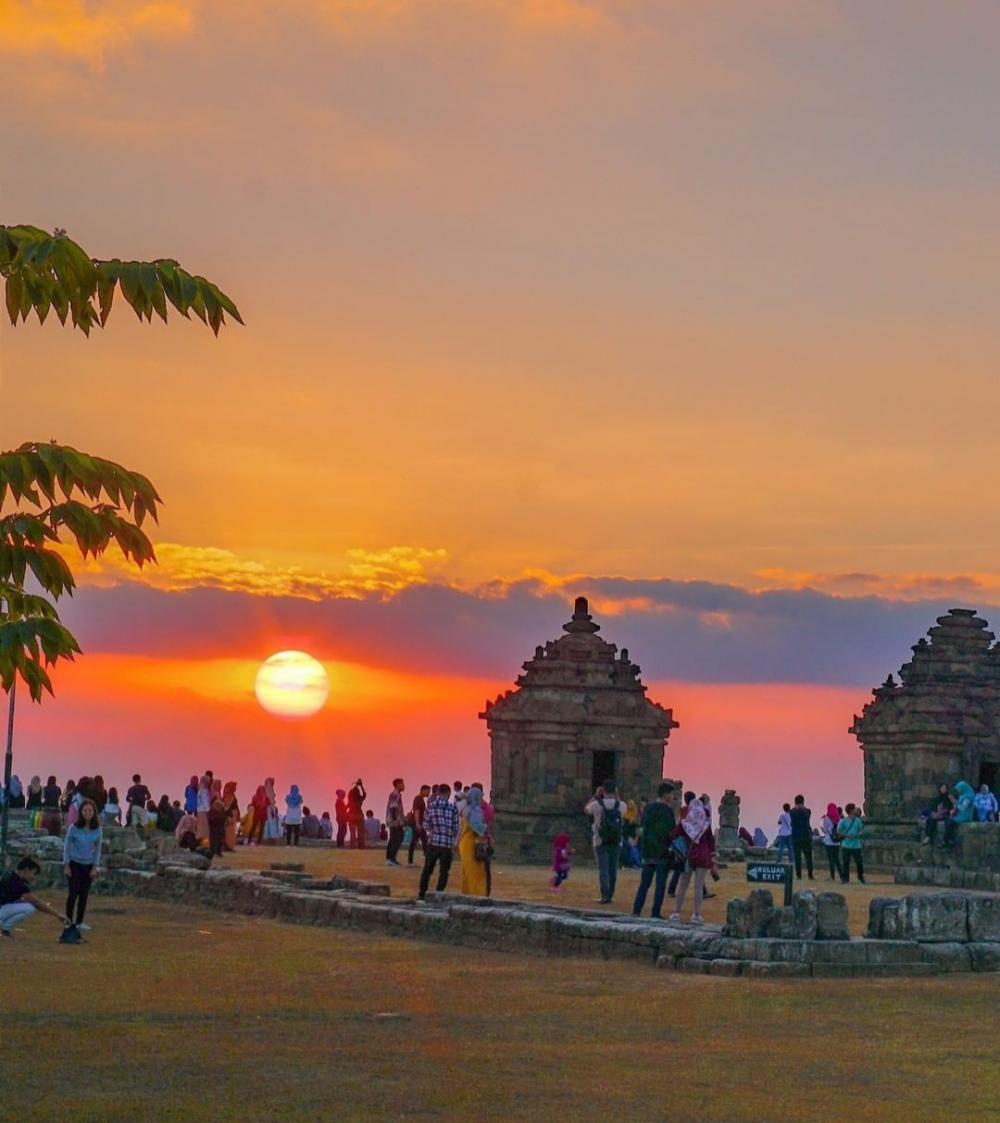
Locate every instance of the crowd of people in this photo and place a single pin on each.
(671, 839)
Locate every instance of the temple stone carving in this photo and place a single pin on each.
(728, 835)
(579, 716)
(939, 724)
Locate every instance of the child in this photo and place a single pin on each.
(561, 852)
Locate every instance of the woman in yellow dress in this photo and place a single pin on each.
(473, 830)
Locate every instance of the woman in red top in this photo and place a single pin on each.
(700, 857)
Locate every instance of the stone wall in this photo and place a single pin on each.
(552, 931)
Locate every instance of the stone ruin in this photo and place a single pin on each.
(578, 718)
(939, 723)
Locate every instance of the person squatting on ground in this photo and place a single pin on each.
(17, 902)
(442, 825)
(82, 860)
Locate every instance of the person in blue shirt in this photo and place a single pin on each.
(82, 860)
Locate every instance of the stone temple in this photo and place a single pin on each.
(939, 724)
(578, 718)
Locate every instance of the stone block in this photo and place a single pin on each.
(777, 970)
(186, 858)
(837, 951)
(984, 918)
(804, 918)
(934, 916)
(948, 957)
(728, 967)
(872, 971)
(737, 919)
(781, 924)
(692, 965)
(985, 956)
(289, 867)
(884, 918)
(831, 917)
(666, 962)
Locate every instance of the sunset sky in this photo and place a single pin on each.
(690, 307)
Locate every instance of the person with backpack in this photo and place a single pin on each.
(658, 824)
(608, 813)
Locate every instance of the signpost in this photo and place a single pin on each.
(772, 873)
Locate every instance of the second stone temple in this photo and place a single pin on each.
(578, 718)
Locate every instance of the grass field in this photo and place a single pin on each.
(206, 1016)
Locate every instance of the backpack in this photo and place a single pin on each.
(610, 829)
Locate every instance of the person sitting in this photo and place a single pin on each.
(373, 829)
(986, 805)
(965, 810)
(326, 826)
(112, 812)
(310, 827)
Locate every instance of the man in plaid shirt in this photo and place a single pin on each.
(441, 824)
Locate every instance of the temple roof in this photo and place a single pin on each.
(576, 666)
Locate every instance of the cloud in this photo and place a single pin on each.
(695, 631)
(897, 586)
(365, 572)
(88, 31)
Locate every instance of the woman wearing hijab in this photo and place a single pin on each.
(630, 856)
(186, 824)
(51, 818)
(831, 840)
(293, 816)
(272, 826)
(472, 833)
(700, 857)
(164, 815)
(204, 803)
(191, 797)
(259, 806)
(759, 838)
(216, 821)
(232, 813)
(34, 800)
(15, 793)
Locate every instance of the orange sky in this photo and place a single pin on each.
(559, 288)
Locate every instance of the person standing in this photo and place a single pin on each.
(849, 832)
(137, 797)
(395, 821)
(831, 841)
(802, 843)
(340, 814)
(293, 816)
(232, 813)
(34, 798)
(356, 814)
(783, 842)
(81, 860)
(217, 821)
(417, 812)
(700, 858)
(191, 797)
(489, 815)
(608, 813)
(259, 807)
(658, 825)
(204, 803)
(51, 818)
(442, 825)
(472, 842)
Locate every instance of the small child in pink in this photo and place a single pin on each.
(561, 852)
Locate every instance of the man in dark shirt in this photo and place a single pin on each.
(418, 811)
(802, 841)
(657, 826)
(17, 902)
(310, 825)
(137, 797)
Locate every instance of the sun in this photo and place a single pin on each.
(292, 684)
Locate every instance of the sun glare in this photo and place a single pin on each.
(292, 684)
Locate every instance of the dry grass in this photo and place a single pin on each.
(531, 883)
(205, 1016)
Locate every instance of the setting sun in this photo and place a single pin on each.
(292, 684)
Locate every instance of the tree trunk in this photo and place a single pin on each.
(8, 765)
